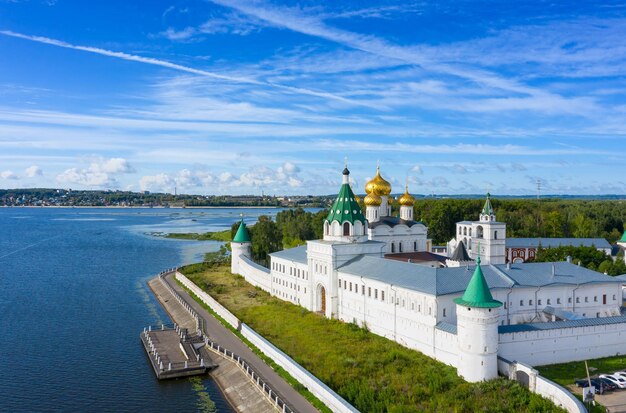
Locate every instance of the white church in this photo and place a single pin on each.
(466, 313)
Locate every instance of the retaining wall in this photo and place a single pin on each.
(331, 399)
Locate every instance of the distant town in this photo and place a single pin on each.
(36, 197)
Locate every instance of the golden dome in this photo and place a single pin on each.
(406, 199)
(357, 198)
(373, 200)
(378, 185)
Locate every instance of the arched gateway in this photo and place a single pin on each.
(321, 299)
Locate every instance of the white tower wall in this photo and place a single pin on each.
(477, 332)
(238, 249)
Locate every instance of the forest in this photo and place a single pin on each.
(545, 218)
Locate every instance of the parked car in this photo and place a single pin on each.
(621, 374)
(617, 380)
(582, 382)
(608, 385)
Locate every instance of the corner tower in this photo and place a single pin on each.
(240, 247)
(345, 221)
(477, 316)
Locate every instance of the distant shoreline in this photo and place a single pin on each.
(142, 207)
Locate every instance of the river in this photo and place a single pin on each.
(74, 299)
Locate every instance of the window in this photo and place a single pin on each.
(558, 301)
(399, 246)
(430, 311)
(505, 305)
(569, 300)
(614, 297)
(363, 289)
(345, 284)
(393, 247)
(577, 299)
(465, 231)
(538, 302)
(340, 284)
(414, 245)
(470, 232)
(444, 312)
(369, 291)
(530, 302)
(548, 301)
(382, 295)
(350, 288)
(460, 231)
(495, 234)
(346, 228)
(597, 315)
(521, 303)
(595, 298)
(419, 308)
(376, 293)
(412, 306)
(586, 299)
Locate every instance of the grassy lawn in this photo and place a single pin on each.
(566, 373)
(372, 373)
(223, 236)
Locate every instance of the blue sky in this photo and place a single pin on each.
(238, 96)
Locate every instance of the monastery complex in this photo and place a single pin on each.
(478, 302)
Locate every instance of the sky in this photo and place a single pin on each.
(251, 97)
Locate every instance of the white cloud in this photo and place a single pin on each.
(100, 173)
(417, 169)
(33, 171)
(9, 175)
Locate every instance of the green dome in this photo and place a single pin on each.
(242, 234)
(345, 208)
(477, 293)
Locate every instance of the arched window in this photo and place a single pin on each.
(469, 244)
(414, 245)
(470, 232)
(495, 234)
(460, 231)
(479, 231)
(464, 230)
(393, 247)
(399, 246)
(346, 228)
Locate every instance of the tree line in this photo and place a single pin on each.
(544, 218)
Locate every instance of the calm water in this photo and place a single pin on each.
(73, 300)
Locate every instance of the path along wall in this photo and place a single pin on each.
(331, 399)
(530, 378)
(563, 345)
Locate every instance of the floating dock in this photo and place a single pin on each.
(173, 353)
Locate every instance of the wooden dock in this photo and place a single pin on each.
(173, 353)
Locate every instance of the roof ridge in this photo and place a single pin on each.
(502, 274)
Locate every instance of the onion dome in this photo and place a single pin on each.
(378, 185)
(406, 199)
(357, 198)
(373, 200)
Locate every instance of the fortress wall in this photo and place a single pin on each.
(255, 274)
(446, 347)
(563, 345)
(208, 300)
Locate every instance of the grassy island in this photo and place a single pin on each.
(372, 373)
(224, 236)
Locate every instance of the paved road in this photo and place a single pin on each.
(225, 338)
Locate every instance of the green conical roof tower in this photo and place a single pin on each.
(487, 209)
(345, 208)
(242, 234)
(477, 294)
(623, 239)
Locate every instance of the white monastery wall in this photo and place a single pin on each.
(254, 273)
(563, 345)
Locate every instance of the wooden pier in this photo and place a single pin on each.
(173, 353)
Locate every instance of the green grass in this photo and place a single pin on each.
(566, 373)
(372, 373)
(223, 236)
